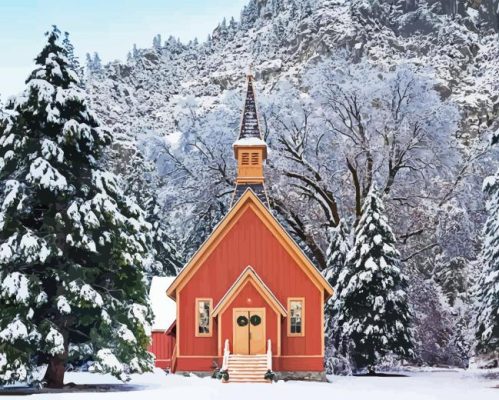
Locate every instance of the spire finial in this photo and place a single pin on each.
(250, 70)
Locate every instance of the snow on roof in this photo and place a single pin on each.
(163, 307)
(249, 141)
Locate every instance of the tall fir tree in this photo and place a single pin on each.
(487, 292)
(336, 255)
(141, 183)
(374, 317)
(72, 246)
(337, 251)
(74, 62)
(93, 63)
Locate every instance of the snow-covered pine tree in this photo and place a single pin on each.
(74, 63)
(168, 260)
(336, 255)
(72, 246)
(487, 293)
(339, 246)
(88, 61)
(135, 51)
(141, 184)
(156, 42)
(94, 63)
(374, 314)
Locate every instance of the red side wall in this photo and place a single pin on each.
(162, 347)
(250, 242)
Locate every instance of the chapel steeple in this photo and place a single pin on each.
(250, 150)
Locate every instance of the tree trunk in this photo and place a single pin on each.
(371, 370)
(54, 376)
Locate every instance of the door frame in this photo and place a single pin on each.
(264, 323)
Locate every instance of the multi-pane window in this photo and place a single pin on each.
(296, 317)
(203, 317)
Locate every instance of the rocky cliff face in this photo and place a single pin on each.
(162, 97)
(180, 104)
(283, 38)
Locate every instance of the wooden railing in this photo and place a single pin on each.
(225, 361)
(173, 365)
(269, 355)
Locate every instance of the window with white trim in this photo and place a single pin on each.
(203, 317)
(296, 317)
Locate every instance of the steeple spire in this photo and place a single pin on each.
(250, 150)
(249, 123)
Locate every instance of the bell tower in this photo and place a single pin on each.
(250, 150)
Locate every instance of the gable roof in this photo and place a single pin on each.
(249, 200)
(164, 308)
(249, 275)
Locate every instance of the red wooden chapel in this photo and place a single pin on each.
(249, 295)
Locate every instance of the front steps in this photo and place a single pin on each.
(247, 368)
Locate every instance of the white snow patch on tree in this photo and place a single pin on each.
(16, 330)
(15, 285)
(55, 342)
(50, 150)
(86, 293)
(108, 363)
(43, 174)
(63, 305)
(126, 334)
(33, 248)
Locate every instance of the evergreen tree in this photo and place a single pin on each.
(487, 293)
(140, 182)
(96, 62)
(72, 246)
(88, 61)
(156, 41)
(135, 51)
(249, 15)
(374, 313)
(74, 63)
(339, 246)
(167, 260)
(452, 276)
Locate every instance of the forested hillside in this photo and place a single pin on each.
(402, 95)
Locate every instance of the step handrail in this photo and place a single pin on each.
(225, 361)
(269, 355)
(173, 365)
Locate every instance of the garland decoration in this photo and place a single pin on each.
(255, 320)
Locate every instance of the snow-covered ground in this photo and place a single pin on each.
(429, 385)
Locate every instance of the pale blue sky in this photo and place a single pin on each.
(110, 27)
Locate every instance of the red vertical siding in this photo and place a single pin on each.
(250, 242)
(162, 347)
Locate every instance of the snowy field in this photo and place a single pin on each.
(441, 385)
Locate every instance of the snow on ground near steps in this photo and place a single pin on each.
(445, 385)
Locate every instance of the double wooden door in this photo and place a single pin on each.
(249, 331)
